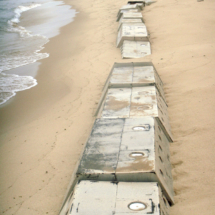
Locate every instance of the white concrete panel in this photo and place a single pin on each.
(131, 15)
(135, 48)
(129, 21)
(135, 102)
(135, 74)
(105, 198)
(122, 75)
(135, 150)
(132, 32)
(117, 103)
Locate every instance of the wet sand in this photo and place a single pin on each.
(43, 130)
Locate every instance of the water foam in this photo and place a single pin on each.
(11, 83)
(13, 23)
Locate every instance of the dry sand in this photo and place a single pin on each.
(43, 130)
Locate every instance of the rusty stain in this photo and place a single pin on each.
(140, 164)
(114, 104)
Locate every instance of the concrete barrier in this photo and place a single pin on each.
(129, 21)
(134, 74)
(139, 3)
(134, 102)
(126, 11)
(134, 150)
(105, 198)
(135, 49)
(131, 32)
(130, 15)
(132, 6)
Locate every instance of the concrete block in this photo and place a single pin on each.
(144, 3)
(132, 6)
(121, 11)
(135, 74)
(131, 15)
(105, 198)
(134, 150)
(129, 21)
(126, 11)
(134, 102)
(135, 49)
(131, 32)
(139, 3)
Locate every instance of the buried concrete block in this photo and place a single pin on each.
(141, 4)
(129, 21)
(131, 15)
(134, 102)
(131, 32)
(134, 150)
(135, 49)
(105, 198)
(134, 74)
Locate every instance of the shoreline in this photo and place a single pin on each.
(44, 129)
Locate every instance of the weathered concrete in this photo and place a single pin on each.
(134, 102)
(134, 150)
(129, 21)
(131, 32)
(135, 49)
(135, 74)
(105, 198)
(126, 11)
(132, 8)
(131, 15)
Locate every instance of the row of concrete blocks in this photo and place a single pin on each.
(132, 37)
(125, 167)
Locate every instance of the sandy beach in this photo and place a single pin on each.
(43, 130)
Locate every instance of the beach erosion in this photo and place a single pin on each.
(43, 130)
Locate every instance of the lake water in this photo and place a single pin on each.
(25, 27)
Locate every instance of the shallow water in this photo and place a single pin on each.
(25, 28)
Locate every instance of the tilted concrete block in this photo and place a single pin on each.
(105, 198)
(132, 32)
(139, 3)
(135, 49)
(131, 15)
(129, 8)
(132, 6)
(129, 21)
(134, 102)
(135, 150)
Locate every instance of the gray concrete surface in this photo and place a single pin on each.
(135, 49)
(132, 32)
(105, 198)
(134, 102)
(134, 150)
